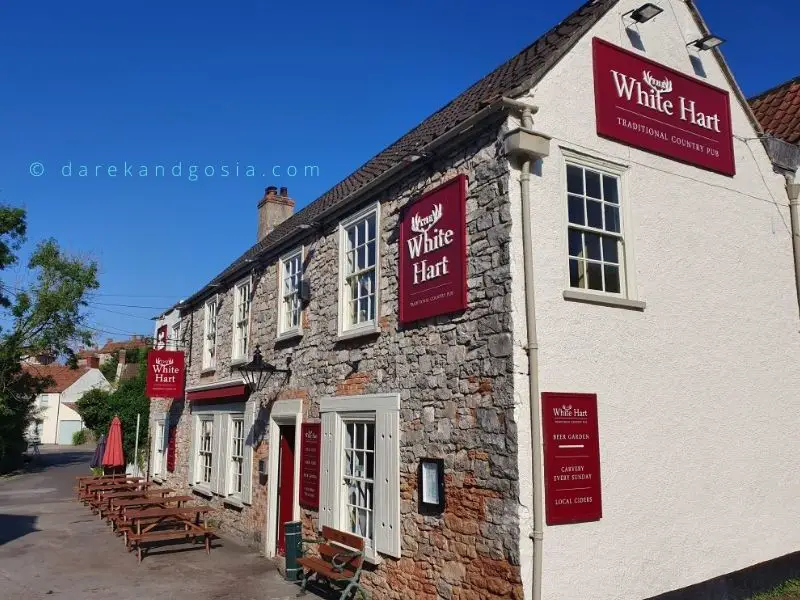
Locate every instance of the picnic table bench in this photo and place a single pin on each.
(150, 525)
(341, 557)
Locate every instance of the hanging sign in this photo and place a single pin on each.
(433, 253)
(311, 434)
(571, 458)
(165, 372)
(647, 105)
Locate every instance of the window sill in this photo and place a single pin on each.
(290, 335)
(208, 371)
(604, 300)
(372, 557)
(233, 501)
(235, 362)
(371, 329)
(158, 479)
(202, 491)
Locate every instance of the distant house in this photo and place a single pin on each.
(57, 417)
(109, 349)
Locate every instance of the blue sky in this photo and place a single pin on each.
(268, 84)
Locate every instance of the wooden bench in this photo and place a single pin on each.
(341, 557)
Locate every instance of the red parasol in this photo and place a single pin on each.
(113, 456)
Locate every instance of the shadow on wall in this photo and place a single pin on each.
(741, 585)
(16, 526)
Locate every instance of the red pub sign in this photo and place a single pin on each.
(311, 434)
(650, 106)
(571, 458)
(433, 253)
(164, 374)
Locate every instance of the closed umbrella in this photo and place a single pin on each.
(97, 459)
(113, 458)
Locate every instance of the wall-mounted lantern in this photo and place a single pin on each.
(431, 486)
(257, 372)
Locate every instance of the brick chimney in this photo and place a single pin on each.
(273, 209)
(93, 362)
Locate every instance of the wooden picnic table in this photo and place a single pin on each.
(93, 494)
(170, 523)
(119, 507)
(105, 498)
(85, 480)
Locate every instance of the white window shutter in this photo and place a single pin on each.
(165, 443)
(215, 452)
(222, 457)
(330, 486)
(250, 442)
(387, 482)
(192, 449)
(153, 438)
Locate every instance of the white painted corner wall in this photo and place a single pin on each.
(698, 393)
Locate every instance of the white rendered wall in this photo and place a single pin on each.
(49, 416)
(698, 393)
(93, 378)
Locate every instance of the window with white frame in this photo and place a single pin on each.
(236, 476)
(360, 480)
(158, 450)
(291, 272)
(210, 335)
(176, 336)
(359, 477)
(596, 249)
(222, 461)
(359, 250)
(205, 455)
(241, 320)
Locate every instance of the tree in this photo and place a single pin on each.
(109, 369)
(94, 408)
(97, 408)
(45, 316)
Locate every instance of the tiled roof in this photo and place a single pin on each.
(111, 347)
(778, 110)
(524, 69)
(62, 377)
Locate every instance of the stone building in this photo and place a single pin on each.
(550, 194)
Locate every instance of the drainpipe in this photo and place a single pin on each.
(793, 191)
(531, 146)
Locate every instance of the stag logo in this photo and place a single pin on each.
(423, 224)
(663, 86)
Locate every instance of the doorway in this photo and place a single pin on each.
(283, 473)
(286, 483)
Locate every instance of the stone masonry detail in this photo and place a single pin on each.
(454, 374)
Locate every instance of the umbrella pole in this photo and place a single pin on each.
(136, 446)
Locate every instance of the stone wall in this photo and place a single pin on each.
(454, 374)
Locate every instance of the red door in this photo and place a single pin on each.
(285, 483)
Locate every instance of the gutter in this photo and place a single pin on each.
(793, 191)
(531, 146)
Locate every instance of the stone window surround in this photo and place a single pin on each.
(626, 299)
(346, 331)
(283, 332)
(237, 290)
(209, 361)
